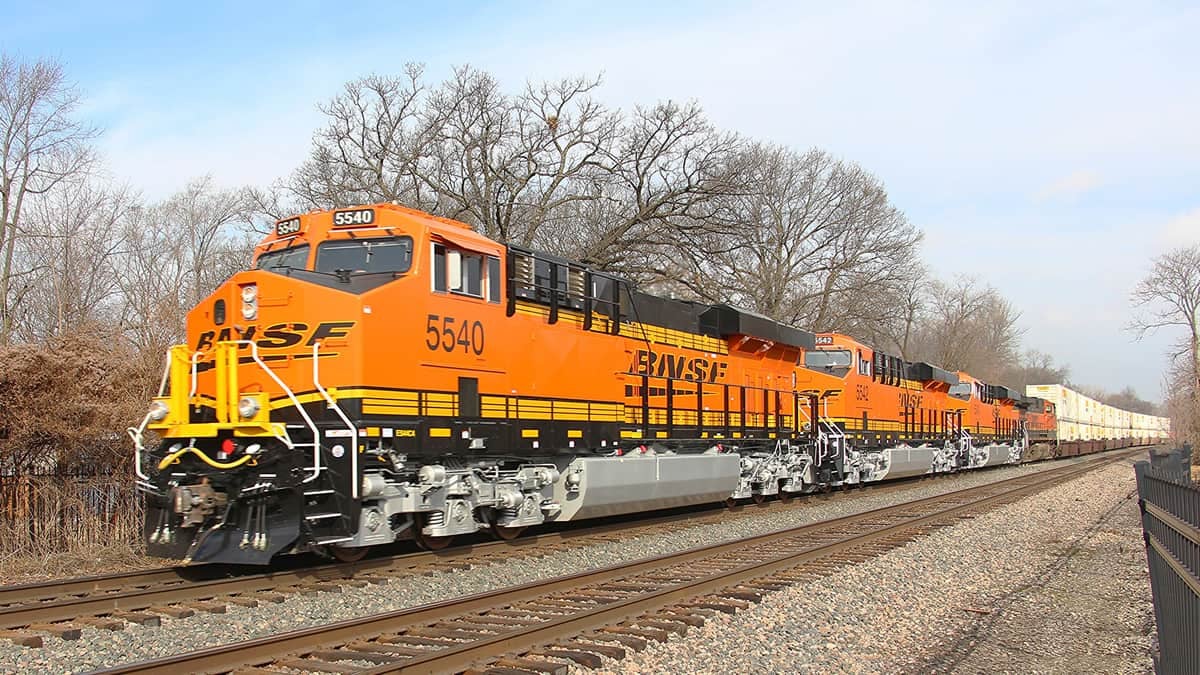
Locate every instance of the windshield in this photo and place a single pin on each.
(961, 390)
(295, 257)
(384, 254)
(827, 359)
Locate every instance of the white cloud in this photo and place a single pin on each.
(1182, 230)
(1071, 186)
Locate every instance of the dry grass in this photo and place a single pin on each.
(67, 526)
(19, 567)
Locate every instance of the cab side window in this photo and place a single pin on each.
(465, 273)
(864, 365)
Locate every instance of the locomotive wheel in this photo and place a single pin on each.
(348, 555)
(505, 533)
(425, 541)
(730, 502)
(784, 496)
(759, 498)
(502, 533)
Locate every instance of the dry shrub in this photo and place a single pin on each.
(67, 501)
(64, 406)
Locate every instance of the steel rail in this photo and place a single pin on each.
(456, 656)
(55, 601)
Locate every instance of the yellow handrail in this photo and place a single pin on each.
(173, 458)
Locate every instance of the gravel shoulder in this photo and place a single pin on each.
(1055, 583)
(884, 588)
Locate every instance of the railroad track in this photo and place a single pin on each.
(64, 608)
(537, 627)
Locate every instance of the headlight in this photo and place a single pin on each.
(250, 302)
(248, 407)
(158, 411)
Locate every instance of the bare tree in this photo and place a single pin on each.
(73, 245)
(970, 327)
(509, 165)
(41, 145)
(1034, 367)
(811, 241)
(1169, 297)
(177, 252)
(369, 148)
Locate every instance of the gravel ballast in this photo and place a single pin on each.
(1055, 583)
(841, 623)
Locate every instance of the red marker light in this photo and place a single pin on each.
(228, 446)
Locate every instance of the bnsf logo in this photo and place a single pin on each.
(278, 335)
(677, 366)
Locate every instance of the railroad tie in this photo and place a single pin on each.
(267, 596)
(240, 601)
(722, 604)
(107, 623)
(319, 587)
(208, 606)
(502, 621)
(677, 627)
(585, 659)
(415, 640)
(63, 631)
(637, 630)
(531, 614)
(445, 633)
(395, 649)
(317, 666)
(674, 615)
(333, 655)
(634, 642)
(139, 618)
(741, 594)
(534, 665)
(172, 611)
(22, 638)
(700, 612)
(470, 624)
(611, 651)
(372, 578)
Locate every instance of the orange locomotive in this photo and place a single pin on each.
(902, 419)
(382, 373)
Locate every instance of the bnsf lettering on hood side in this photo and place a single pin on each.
(677, 366)
(278, 335)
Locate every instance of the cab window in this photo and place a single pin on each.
(961, 391)
(827, 359)
(295, 258)
(864, 365)
(379, 254)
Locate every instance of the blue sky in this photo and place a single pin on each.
(1051, 149)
